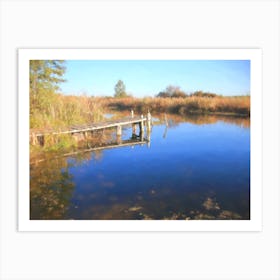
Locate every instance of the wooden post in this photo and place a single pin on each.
(141, 130)
(142, 136)
(149, 117)
(133, 129)
(41, 140)
(119, 134)
(141, 127)
(34, 140)
(119, 130)
(119, 139)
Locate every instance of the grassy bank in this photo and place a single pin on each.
(239, 106)
(64, 111)
(59, 112)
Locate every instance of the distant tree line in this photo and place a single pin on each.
(201, 93)
(170, 92)
(176, 92)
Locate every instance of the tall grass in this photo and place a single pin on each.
(239, 105)
(63, 111)
(59, 112)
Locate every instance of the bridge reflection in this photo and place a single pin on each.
(119, 143)
(91, 146)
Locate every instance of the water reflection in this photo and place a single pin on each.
(196, 168)
(51, 188)
(173, 120)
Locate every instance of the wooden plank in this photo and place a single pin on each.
(84, 128)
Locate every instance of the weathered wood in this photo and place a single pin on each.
(149, 119)
(81, 131)
(91, 127)
(41, 140)
(141, 126)
(119, 130)
(33, 139)
(119, 139)
(142, 130)
(142, 136)
(134, 128)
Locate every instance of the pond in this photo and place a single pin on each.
(192, 168)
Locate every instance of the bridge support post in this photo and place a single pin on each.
(119, 130)
(41, 140)
(119, 139)
(119, 134)
(141, 127)
(34, 139)
(133, 128)
(142, 136)
(149, 119)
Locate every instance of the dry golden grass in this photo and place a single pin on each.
(68, 110)
(184, 106)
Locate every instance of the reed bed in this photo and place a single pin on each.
(64, 111)
(239, 105)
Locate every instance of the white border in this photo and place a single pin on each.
(254, 55)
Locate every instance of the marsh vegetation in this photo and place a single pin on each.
(196, 166)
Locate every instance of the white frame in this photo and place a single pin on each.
(255, 222)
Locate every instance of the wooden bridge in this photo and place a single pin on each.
(37, 136)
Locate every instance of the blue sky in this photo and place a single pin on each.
(149, 77)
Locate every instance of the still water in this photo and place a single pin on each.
(196, 168)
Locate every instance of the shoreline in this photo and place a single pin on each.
(67, 145)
